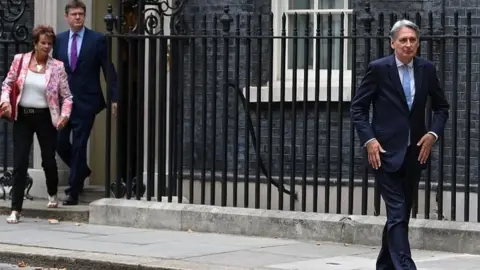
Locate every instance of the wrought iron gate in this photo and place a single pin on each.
(233, 126)
(15, 28)
(137, 28)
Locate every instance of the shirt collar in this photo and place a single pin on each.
(399, 64)
(79, 33)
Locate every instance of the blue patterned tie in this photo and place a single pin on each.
(406, 86)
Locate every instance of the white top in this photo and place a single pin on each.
(33, 93)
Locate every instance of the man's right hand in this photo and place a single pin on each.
(6, 109)
(374, 149)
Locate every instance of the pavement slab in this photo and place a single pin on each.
(37, 209)
(69, 244)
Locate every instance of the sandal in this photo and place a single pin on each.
(13, 218)
(52, 201)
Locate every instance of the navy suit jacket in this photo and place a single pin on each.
(84, 82)
(392, 120)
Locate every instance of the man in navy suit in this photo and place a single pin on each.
(83, 52)
(397, 140)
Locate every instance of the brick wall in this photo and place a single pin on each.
(7, 51)
(216, 7)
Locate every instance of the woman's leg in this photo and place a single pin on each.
(22, 142)
(47, 139)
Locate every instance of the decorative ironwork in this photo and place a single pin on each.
(226, 19)
(13, 30)
(7, 181)
(109, 19)
(367, 17)
(165, 8)
(152, 11)
(123, 189)
(159, 9)
(152, 20)
(11, 11)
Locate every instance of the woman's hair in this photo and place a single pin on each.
(43, 29)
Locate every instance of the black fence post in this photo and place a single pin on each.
(367, 19)
(109, 21)
(468, 94)
(226, 20)
(380, 40)
(224, 41)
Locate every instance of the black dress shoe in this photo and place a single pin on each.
(80, 192)
(70, 201)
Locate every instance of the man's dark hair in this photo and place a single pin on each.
(75, 4)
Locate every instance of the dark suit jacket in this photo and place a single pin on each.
(84, 82)
(392, 120)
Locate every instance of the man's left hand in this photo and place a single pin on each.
(114, 108)
(426, 144)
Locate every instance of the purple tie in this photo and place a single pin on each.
(73, 52)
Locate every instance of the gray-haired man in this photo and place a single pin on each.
(397, 141)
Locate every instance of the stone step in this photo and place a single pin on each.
(37, 208)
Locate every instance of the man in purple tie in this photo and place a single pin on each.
(83, 53)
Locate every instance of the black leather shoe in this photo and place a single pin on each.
(80, 192)
(70, 201)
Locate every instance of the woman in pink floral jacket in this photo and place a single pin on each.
(42, 107)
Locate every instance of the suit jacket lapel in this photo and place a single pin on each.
(393, 74)
(24, 69)
(418, 75)
(48, 72)
(64, 51)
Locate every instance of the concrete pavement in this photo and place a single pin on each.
(4, 266)
(83, 246)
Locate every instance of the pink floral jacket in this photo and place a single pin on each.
(56, 80)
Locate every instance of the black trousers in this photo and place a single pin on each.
(30, 121)
(397, 190)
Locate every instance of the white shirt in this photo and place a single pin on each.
(33, 92)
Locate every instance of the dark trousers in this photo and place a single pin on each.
(397, 190)
(32, 121)
(74, 153)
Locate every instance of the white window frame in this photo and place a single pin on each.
(280, 7)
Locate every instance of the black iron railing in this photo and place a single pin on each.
(257, 104)
(14, 38)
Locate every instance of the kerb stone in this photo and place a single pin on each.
(460, 237)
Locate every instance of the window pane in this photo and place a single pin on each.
(300, 4)
(324, 55)
(331, 4)
(302, 25)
